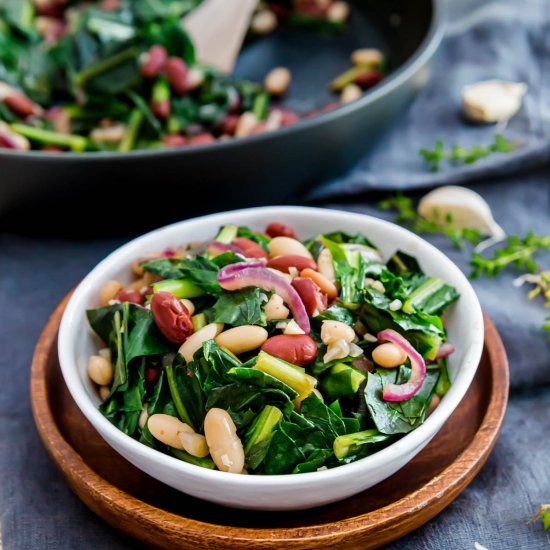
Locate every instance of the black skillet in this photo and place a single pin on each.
(48, 194)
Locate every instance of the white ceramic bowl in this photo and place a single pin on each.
(285, 492)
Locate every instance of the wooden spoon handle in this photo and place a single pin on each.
(218, 28)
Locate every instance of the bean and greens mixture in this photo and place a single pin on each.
(259, 353)
(119, 75)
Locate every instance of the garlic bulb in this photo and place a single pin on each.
(460, 207)
(492, 100)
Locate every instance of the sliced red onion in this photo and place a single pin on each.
(402, 392)
(445, 350)
(215, 248)
(242, 275)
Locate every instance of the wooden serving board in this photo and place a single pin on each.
(155, 514)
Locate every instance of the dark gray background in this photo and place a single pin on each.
(502, 38)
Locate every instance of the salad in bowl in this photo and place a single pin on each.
(255, 352)
(272, 358)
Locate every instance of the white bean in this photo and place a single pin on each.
(434, 403)
(277, 81)
(350, 93)
(100, 370)
(246, 125)
(108, 290)
(195, 78)
(104, 392)
(325, 265)
(240, 339)
(105, 352)
(195, 341)
(195, 444)
(167, 428)
(264, 22)
(275, 308)
(336, 350)
(292, 328)
(144, 415)
(225, 446)
(377, 285)
(370, 57)
(388, 355)
(284, 246)
(331, 331)
(286, 276)
(189, 305)
(338, 12)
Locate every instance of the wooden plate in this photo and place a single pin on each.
(155, 514)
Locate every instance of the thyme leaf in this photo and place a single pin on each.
(464, 155)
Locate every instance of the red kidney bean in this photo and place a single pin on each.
(298, 349)
(152, 375)
(172, 317)
(250, 248)
(132, 296)
(50, 28)
(174, 140)
(288, 117)
(280, 230)
(312, 297)
(153, 61)
(109, 5)
(283, 263)
(202, 139)
(311, 7)
(49, 7)
(161, 109)
(60, 120)
(21, 105)
(229, 124)
(368, 77)
(363, 364)
(176, 73)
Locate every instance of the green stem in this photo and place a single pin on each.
(206, 462)
(430, 287)
(345, 445)
(74, 142)
(176, 397)
(161, 91)
(180, 288)
(104, 65)
(132, 131)
(259, 108)
(259, 435)
(299, 381)
(227, 234)
(199, 321)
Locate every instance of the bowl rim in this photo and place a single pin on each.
(394, 80)
(73, 318)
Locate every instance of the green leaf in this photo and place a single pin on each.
(240, 307)
(325, 419)
(260, 379)
(402, 416)
(202, 271)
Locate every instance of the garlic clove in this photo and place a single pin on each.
(461, 208)
(492, 100)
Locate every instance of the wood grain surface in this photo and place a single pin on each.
(155, 514)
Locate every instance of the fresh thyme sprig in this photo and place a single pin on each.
(407, 215)
(517, 252)
(464, 155)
